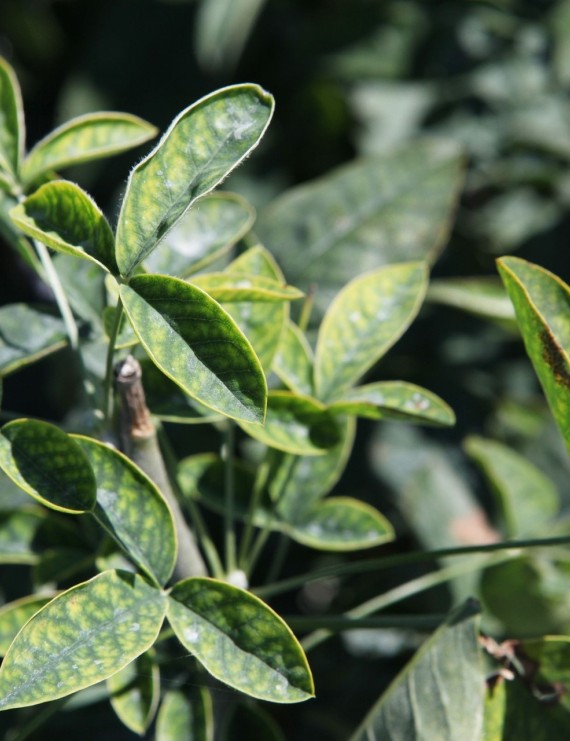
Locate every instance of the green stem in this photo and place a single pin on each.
(58, 292)
(307, 309)
(247, 537)
(340, 623)
(109, 366)
(377, 564)
(278, 558)
(229, 486)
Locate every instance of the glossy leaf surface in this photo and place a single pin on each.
(342, 523)
(542, 307)
(528, 499)
(439, 693)
(239, 640)
(296, 424)
(196, 344)
(201, 147)
(132, 510)
(232, 287)
(85, 138)
(47, 464)
(65, 218)
(14, 615)
(81, 637)
(12, 123)
(293, 361)
(26, 335)
(366, 318)
(395, 400)
(206, 232)
(135, 692)
(388, 209)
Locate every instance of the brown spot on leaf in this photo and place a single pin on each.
(553, 357)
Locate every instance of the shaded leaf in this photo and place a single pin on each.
(550, 669)
(201, 147)
(65, 218)
(12, 131)
(239, 640)
(439, 693)
(542, 307)
(296, 424)
(206, 232)
(135, 692)
(185, 716)
(196, 344)
(293, 361)
(483, 297)
(132, 510)
(18, 533)
(15, 614)
(342, 524)
(47, 464)
(366, 318)
(84, 284)
(232, 287)
(81, 637)
(528, 499)
(380, 210)
(395, 400)
(85, 138)
(26, 335)
(250, 722)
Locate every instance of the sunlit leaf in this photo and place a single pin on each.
(15, 614)
(366, 318)
(12, 131)
(85, 138)
(231, 287)
(26, 335)
(185, 716)
(81, 637)
(293, 361)
(202, 146)
(239, 640)
(135, 692)
(196, 344)
(47, 464)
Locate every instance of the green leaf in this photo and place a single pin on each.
(528, 499)
(135, 692)
(296, 483)
(206, 232)
(132, 510)
(18, 535)
(342, 524)
(197, 344)
(84, 284)
(250, 722)
(201, 147)
(551, 671)
(185, 716)
(81, 637)
(85, 138)
(239, 640)
(47, 464)
(232, 287)
(483, 297)
(439, 693)
(367, 317)
(395, 400)
(293, 361)
(26, 335)
(126, 336)
(65, 218)
(380, 210)
(12, 131)
(542, 308)
(15, 614)
(296, 424)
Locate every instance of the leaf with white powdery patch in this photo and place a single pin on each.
(81, 637)
(239, 640)
(201, 147)
(197, 344)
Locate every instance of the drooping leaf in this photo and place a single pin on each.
(135, 691)
(196, 344)
(483, 297)
(185, 716)
(542, 308)
(380, 210)
(366, 318)
(65, 218)
(296, 424)
(26, 335)
(81, 637)
(395, 400)
(239, 640)
(12, 131)
(232, 287)
(201, 147)
(342, 524)
(439, 693)
(47, 464)
(132, 510)
(528, 499)
(15, 614)
(206, 232)
(293, 361)
(85, 138)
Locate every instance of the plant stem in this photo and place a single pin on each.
(229, 486)
(247, 536)
(377, 564)
(340, 623)
(109, 368)
(307, 308)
